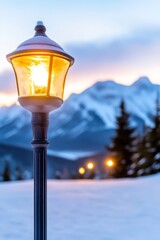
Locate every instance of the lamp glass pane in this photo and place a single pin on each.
(32, 74)
(59, 70)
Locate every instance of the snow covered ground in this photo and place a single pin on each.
(85, 210)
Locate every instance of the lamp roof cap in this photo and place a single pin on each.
(40, 43)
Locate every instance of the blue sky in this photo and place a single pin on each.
(109, 39)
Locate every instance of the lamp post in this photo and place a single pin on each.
(40, 67)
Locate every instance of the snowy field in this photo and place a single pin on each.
(85, 210)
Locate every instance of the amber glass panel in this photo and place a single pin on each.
(32, 74)
(59, 70)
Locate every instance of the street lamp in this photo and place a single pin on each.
(40, 67)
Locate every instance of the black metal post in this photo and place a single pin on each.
(39, 127)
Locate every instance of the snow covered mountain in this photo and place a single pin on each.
(86, 122)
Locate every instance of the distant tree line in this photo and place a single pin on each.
(135, 154)
(10, 174)
(17, 174)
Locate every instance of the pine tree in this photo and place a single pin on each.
(141, 164)
(122, 148)
(6, 173)
(147, 159)
(154, 141)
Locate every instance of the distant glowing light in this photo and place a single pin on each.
(109, 163)
(81, 170)
(90, 165)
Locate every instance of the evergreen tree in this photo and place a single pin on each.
(154, 141)
(122, 148)
(147, 159)
(141, 165)
(6, 173)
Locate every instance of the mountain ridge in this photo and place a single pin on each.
(85, 123)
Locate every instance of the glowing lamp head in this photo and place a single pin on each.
(40, 67)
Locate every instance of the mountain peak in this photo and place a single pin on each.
(101, 84)
(142, 82)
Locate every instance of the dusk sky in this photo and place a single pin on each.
(109, 39)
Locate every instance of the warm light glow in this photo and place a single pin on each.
(109, 163)
(32, 74)
(90, 165)
(39, 78)
(81, 170)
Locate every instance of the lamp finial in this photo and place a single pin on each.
(40, 29)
